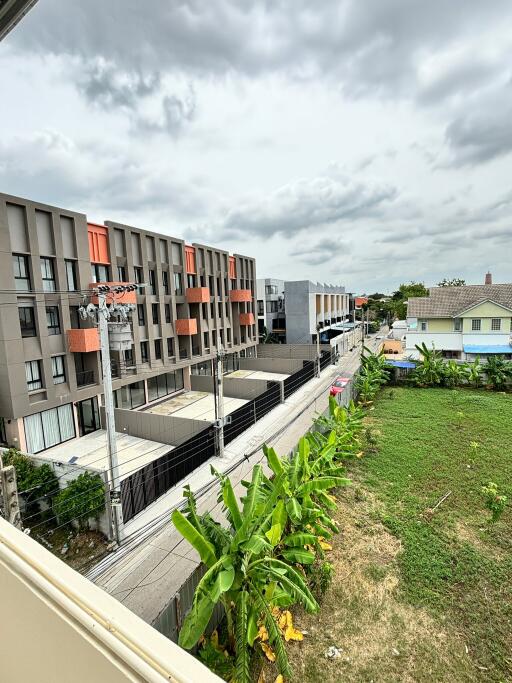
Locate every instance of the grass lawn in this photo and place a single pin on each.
(421, 594)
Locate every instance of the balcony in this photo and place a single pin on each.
(197, 295)
(123, 298)
(237, 296)
(85, 378)
(246, 318)
(186, 326)
(84, 340)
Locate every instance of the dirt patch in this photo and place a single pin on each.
(378, 637)
(78, 550)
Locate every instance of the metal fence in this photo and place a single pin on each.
(248, 414)
(143, 487)
(295, 381)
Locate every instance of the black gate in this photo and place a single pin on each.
(295, 381)
(144, 486)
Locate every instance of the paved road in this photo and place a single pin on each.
(146, 577)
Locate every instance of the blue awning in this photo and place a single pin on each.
(401, 363)
(482, 348)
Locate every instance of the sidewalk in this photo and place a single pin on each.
(145, 578)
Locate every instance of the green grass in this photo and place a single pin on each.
(452, 561)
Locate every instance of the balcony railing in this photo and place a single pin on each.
(183, 353)
(196, 351)
(85, 378)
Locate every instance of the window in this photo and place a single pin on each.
(163, 385)
(33, 375)
(170, 347)
(476, 325)
(423, 325)
(139, 274)
(46, 429)
(206, 340)
(144, 351)
(271, 289)
(260, 307)
(178, 284)
(271, 306)
(457, 325)
(191, 281)
(228, 331)
(27, 321)
(130, 396)
(167, 313)
(220, 309)
(496, 324)
(3, 435)
(99, 272)
(121, 274)
(140, 314)
(71, 275)
(158, 349)
(152, 282)
(154, 313)
(165, 281)
(21, 273)
(58, 373)
(52, 320)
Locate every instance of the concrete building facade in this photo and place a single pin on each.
(271, 307)
(196, 298)
(309, 304)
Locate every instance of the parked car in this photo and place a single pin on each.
(339, 385)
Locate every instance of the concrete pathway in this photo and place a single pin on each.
(146, 577)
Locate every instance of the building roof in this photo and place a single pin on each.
(447, 302)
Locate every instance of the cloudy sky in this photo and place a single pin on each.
(356, 142)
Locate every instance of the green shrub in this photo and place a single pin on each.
(83, 498)
(494, 501)
(39, 482)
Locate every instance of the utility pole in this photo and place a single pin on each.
(9, 488)
(113, 465)
(220, 402)
(318, 350)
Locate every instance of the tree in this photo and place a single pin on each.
(454, 282)
(35, 483)
(83, 498)
(403, 293)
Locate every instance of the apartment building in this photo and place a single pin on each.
(271, 308)
(462, 322)
(196, 299)
(311, 304)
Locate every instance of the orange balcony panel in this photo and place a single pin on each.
(123, 298)
(246, 319)
(186, 326)
(98, 243)
(197, 295)
(83, 341)
(190, 260)
(232, 267)
(240, 295)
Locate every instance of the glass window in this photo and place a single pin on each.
(165, 281)
(496, 324)
(33, 375)
(167, 313)
(152, 282)
(158, 349)
(457, 325)
(27, 321)
(154, 313)
(99, 272)
(170, 347)
(48, 428)
(137, 394)
(141, 314)
(144, 351)
(121, 274)
(71, 275)
(423, 325)
(139, 274)
(271, 289)
(3, 435)
(260, 307)
(21, 273)
(191, 281)
(476, 324)
(178, 284)
(47, 274)
(58, 373)
(178, 375)
(52, 320)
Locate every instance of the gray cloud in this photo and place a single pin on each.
(103, 84)
(322, 251)
(368, 48)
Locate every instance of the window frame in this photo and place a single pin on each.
(158, 349)
(144, 351)
(165, 281)
(31, 327)
(47, 266)
(498, 327)
(69, 263)
(58, 373)
(167, 310)
(121, 273)
(457, 324)
(141, 315)
(170, 347)
(152, 281)
(50, 310)
(18, 259)
(36, 378)
(154, 314)
(476, 327)
(178, 284)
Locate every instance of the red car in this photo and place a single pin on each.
(338, 385)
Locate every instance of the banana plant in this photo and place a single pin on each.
(475, 371)
(243, 572)
(347, 424)
(430, 370)
(455, 373)
(498, 372)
